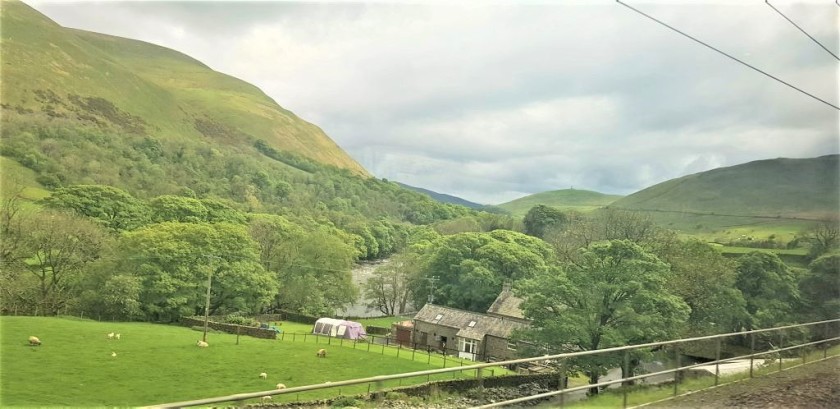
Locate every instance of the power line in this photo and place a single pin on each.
(803, 31)
(729, 56)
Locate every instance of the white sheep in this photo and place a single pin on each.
(266, 399)
(33, 340)
(110, 335)
(117, 336)
(202, 344)
(281, 386)
(322, 353)
(113, 354)
(263, 375)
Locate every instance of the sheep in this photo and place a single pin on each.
(113, 354)
(202, 344)
(322, 353)
(281, 386)
(34, 341)
(117, 336)
(110, 335)
(266, 399)
(263, 375)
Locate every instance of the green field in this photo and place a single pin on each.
(160, 363)
(583, 201)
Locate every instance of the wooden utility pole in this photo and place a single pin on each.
(207, 302)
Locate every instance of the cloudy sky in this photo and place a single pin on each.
(495, 100)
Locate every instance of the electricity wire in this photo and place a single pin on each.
(803, 31)
(729, 56)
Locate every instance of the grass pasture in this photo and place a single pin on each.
(160, 363)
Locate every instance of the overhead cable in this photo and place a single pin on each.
(803, 31)
(731, 57)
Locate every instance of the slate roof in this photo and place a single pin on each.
(454, 318)
(507, 305)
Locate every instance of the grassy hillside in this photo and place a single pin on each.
(159, 363)
(58, 77)
(776, 188)
(571, 199)
(768, 199)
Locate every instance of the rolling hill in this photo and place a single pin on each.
(443, 197)
(568, 199)
(775, 188)
(137, 95)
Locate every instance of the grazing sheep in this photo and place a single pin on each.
(113, 354)
(266, 399)
(322, 353)
(281, 386)
(263, 375)
(117, 336)
(202, 344)
(33, 340)
(110, 335)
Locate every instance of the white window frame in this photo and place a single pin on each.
(468, 345)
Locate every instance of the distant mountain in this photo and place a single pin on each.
(791, 188)
(572, 199)
(444, 198)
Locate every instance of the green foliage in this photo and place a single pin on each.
(617, 295)
(472, 267)
(174, 260)
(239, 319)
(169, 208)
(115, 209)
(769, 288)
(541, 218)
(344, 402)
(820, 290)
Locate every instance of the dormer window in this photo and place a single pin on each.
(471, 324)
(439, 316)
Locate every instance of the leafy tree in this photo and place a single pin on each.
(618, 295)
(540, 218)
(820, 289)
(115, 209)
(390, 286)
(173, 262)
(472, 267)
(168, 208)
(60, 246)
(824, 237)
(705, 280)
(769, 288)
(220, 212)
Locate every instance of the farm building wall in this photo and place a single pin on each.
(496, 349)
(230, 328)
(428, 335)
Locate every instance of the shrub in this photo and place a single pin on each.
(395, 396)
(344, 401)
(238, 319)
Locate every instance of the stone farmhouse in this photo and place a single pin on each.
(471, 335)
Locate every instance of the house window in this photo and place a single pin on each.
(471, 324)
(468, 345)
(439, 316)
(511, 345)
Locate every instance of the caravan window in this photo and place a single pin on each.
(341, 330)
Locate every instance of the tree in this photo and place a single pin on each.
(705, 280)
(820, 289)
(769, 288)
(824, 237)
(472, 267)
(173, 261)
(389, 288)
(617, 295)
(115, 209)
(60, 247)
(540, 218)
(168, 208)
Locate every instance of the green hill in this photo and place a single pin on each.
(136, 95)
(775, 188)
(571, 199)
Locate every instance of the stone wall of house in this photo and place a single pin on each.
(496, 349)
(230, 328)
(432, 332)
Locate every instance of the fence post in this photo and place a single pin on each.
(412, 353)
(237, 334)
(341, 342)
(677, 372)
(563, 382)
(781, 345)
(717, 361)
(370, 342)
(399, 347)
(480, 377)
(752, 352)
(626, 372)
(444, 359)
